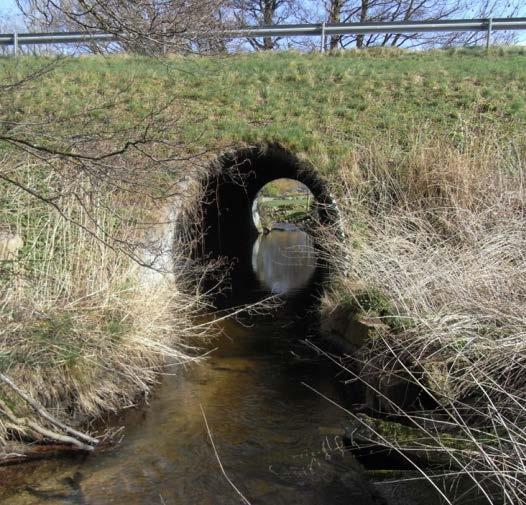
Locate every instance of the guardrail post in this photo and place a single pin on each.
(15, 44)
(322, 46)
(488, 34)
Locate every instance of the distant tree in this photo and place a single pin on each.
(353, 11)
(8, 24)
(141, 26)
(263, 13)
(3, 29)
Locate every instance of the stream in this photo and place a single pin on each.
(270, 431)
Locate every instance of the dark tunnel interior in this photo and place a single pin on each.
(227, 224)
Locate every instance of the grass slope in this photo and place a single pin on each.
(321, 106)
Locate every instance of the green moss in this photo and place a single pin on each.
(418, 442)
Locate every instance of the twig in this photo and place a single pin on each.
(243, 308)
(20, 423)
(43, 413)
(243, 499)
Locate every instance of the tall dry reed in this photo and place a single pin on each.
(438, 233)
(83, 329)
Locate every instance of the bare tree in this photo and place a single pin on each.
(87, 159)
(352, 11)
(264, 13)
(100, 175)
(3, 28)
(8, 24)
(334, 12)
(141, 26)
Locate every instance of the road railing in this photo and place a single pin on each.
(322, 30)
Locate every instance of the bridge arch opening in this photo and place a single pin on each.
(229, 231)
(284, 204)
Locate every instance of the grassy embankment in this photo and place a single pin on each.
(426, 152)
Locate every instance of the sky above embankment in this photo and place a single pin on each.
(9, 9)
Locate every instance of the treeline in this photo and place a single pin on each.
(159, 26)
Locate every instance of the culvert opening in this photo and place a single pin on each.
(283, 256)
(284, 204)
(277, 256)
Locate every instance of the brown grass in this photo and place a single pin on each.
(438, 235)
(83, 329)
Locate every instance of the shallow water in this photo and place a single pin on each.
(270, 431)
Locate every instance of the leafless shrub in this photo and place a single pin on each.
(363, 11)
(149, 27)
(91, 307)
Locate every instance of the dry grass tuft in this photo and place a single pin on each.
(83, 330)
(438, 234)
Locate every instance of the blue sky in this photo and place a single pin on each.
(8, 8)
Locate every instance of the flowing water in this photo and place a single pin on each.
(269, 430)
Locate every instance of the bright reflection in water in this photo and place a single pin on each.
(284, 261)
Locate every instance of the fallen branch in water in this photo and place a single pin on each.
(18, 452)
(77, 438)
(21, 423)
(244, 500)
(261, 304)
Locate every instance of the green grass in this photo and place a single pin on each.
(320, 106)
(284, 210)
(297, 201)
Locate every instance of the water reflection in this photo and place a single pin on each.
(265, 425)
(284, 261)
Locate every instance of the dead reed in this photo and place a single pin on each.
(83, 330)
(437, 235)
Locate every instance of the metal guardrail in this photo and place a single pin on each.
(322, 30)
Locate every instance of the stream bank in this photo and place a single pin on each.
(264, 392)
(396, 421)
